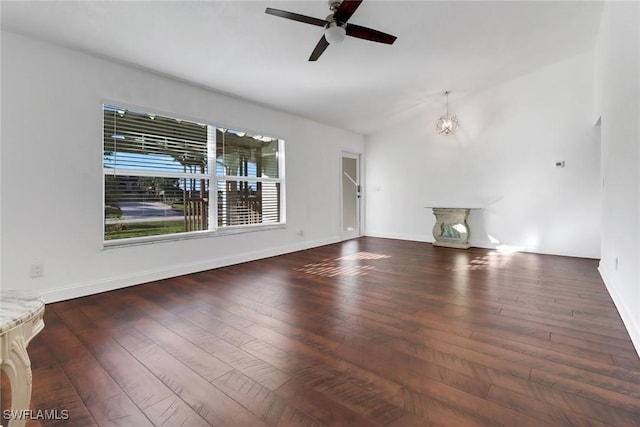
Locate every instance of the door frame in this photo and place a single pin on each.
(344, 234)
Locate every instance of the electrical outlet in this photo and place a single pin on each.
(37, 270)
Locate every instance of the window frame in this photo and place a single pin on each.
(213, 178)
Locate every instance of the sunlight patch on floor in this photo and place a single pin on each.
(363, 255)
(341, 266)
(331, 269)
(492, 260)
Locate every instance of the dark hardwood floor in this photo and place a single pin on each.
(370, 332)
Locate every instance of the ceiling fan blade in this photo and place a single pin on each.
(320, 47)
(346, 9)
(296, 17)
(369, 34)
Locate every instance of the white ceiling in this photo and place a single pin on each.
(233, 47)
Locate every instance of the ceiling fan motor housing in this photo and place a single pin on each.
(334, 4)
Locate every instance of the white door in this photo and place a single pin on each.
(350, 195)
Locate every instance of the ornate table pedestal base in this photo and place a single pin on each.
(20, 320)
(451, 229)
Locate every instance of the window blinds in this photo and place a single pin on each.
(159, 171)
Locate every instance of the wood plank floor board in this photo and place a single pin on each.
(551, 361)
(397, 363)
(567, 403)
(574, 326)
(440, 395)
(351, 386)
(624, 399)
(604, 345)
(547, 413)
(322, 407)
(408, 370)
(183, 338)
(232, 335)
(173, 411)
(580, 343)
(56, 392)
(207, 400)
(207, 366)
(272, 409)
(257, 369)
(148, 393)
(367, 332)
(143, 303)
(628, 361)
(437, 345)
(559, 349)
(102, 396)
(518, 331)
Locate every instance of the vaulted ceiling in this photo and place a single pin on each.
(233, 47)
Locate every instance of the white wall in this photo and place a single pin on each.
(618, 94)
(502, 157)
(51, 190)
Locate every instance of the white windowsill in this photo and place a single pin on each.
(226, 231)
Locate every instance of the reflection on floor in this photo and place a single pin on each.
(332, 267)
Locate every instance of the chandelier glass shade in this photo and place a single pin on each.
(447, 124)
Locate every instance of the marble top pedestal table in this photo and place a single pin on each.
(451, 229)
(21, 319)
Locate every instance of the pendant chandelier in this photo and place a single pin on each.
(447, 124)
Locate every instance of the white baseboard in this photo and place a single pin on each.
(426, 239)
(118, 282)
(627, 315)
(400, 236)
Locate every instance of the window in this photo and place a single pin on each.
(159, 173)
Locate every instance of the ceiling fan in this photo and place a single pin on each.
(336, 26)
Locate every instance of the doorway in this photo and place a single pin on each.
(351, 192)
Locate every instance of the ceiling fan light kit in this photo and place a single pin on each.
(336, 26)
(335, 33)
(447, 124)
